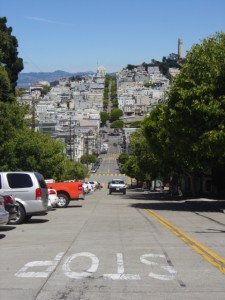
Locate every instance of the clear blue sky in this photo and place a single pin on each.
(79, 35)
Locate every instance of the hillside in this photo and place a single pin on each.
(26, 79)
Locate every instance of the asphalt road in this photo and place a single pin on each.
(135, 246)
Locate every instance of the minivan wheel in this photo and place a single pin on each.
(20, 216)
(27, 218)
(63, 201)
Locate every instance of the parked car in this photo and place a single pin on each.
(67, 191)
(89, 186)
(11, 206)
(94, 169)
(85, 188)
(4, 215)
(100, 186)
(53, 197)
(30, 192)
(94, 184)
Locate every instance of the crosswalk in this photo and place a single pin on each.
(109, 156)
(106, 175)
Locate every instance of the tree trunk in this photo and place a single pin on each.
(193, 190)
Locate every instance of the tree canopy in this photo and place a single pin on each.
(9, 54)
(88, 159)
(104, 116)
(117, 124)
(142, 164)
(188, 133)
(116, 113)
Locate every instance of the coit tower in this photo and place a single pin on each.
(180, 48)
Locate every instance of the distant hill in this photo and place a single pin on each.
(26, 79)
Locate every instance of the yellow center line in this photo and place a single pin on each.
(207, 254)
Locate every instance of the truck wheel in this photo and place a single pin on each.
(110, 192)
(63, 201)
(124, 192)
(20, 216)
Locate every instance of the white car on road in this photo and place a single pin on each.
(87, 187)
(117, 186)
(52, 198)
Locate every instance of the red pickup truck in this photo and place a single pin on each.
(67, 191)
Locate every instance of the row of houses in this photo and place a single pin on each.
(70, 111)
(139, 91)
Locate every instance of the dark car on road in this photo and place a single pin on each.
(11, 206)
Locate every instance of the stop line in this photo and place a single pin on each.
(156, 261)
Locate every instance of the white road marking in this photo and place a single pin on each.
(120, 271)
(51, 264)
(87, 273)
(49, 267)
(172, 272)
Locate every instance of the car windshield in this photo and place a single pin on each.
(117, 182)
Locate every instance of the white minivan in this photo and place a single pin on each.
(30, 191)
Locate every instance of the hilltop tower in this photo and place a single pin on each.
(101, 71)
(180, 48)
(100, 76)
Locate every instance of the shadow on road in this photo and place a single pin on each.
(6, 228)
(162, 201)
(34, 221)
(72, 206)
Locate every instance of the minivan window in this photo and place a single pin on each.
(19, 180)
(41, 180)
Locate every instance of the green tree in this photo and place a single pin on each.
(123, 157)
(105, 103)
(198, 97)
(4, 86)
(9, 54)
(88, 159)
(23, 149)
(135, 124)
(155, 132)
(45, 89)
(12, 118)
(104, 116)
(74, 170)
(131, 168)
(33, 151)
(113, 89)
(142, 164)
(117, 124)
(131, 67)
(116, 113)
(192, 124)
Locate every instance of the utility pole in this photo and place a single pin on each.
(87, 147)
(34, 100)
(33, 113)
(70, 141)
